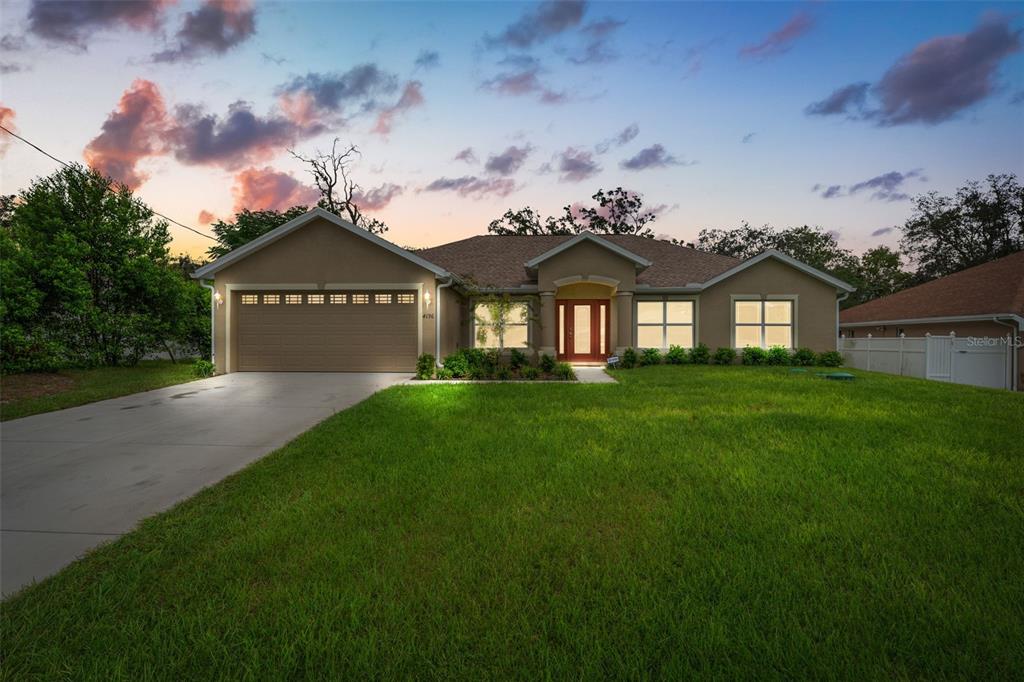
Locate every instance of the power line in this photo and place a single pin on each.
(68, 165)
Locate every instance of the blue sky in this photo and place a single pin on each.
(701, 107)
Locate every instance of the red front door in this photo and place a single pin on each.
(584, 330)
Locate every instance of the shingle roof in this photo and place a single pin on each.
(988, 289)
(497, 260)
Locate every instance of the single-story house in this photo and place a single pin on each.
(319, 294)
(984, 301)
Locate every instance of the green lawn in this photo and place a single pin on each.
(34, 393)
(691, 521)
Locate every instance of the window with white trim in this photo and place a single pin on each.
(490, 333)
(763, 323)
(382, 298)
(339, 298)
(292, 299)
(271, 299)
(314, 299)
(250, 299)
(665, 323)
(406, 298)
(359, 299)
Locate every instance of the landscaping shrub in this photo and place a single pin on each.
(477, 372)
(492, 361)
(700, 355)
(803, 357)
(563, 371)
(444, 373)
(547, 364)
(425, 366)
(677, 355)
(628, 359)
(203, 368)
(724, 356)
(830, 358)
(504, 373)
(530, 373)
(778, 355)
(752, 355)
(516, 359)
(650, 356)
(457, 363)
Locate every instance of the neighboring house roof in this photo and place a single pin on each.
(305, 219)
(500, 260)
(995, 288)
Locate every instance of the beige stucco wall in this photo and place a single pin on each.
(455, 322)
(815, 304)
(318, 254)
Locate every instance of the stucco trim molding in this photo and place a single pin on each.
(784, 258)
(294, 224)
(594, 279)
(640, 261)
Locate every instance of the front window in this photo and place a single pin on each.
(661, 324)
(763, 323)
(501, 324)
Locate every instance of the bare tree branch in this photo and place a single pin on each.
(339, 192)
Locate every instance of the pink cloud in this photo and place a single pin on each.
(265, 189)
(6, 120)
(412, 97)
(779, 41)
(132, 132)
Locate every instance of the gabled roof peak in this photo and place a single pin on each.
(639, 261)
(304, 219)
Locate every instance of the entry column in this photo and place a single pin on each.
(548, 326)
(624, 323)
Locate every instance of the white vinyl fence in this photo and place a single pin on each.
(976, 360)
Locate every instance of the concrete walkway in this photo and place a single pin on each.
(593, 375)
(75, 478)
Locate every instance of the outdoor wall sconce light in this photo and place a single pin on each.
(217, 297)
(426, 297)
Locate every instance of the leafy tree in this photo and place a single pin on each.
(879, 272)
(86, 277)
(811, 245)
(248, 225)
(978, 224)
(527, 221)
(618, 211)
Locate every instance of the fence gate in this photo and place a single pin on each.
(939, 354)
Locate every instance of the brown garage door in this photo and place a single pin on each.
(327, 331)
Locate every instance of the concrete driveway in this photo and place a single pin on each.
(79, 477)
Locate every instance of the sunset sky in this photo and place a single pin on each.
(824, 113)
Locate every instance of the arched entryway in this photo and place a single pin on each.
(583, 318)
